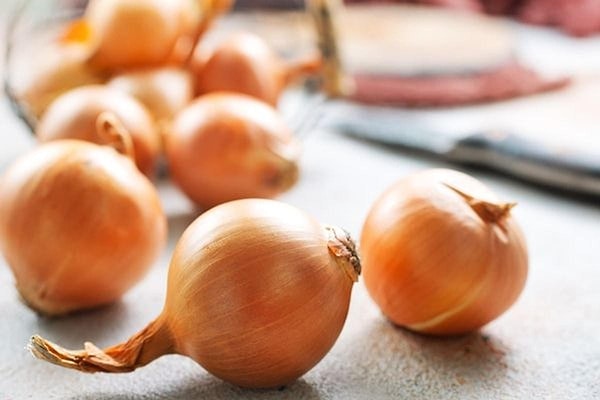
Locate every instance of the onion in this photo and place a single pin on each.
(79, 225)
(134, 33)
(64, 68)
(164, 91)
(73, 115)
(244, 63)
(257, 294)
(227, 146)
(441, 254)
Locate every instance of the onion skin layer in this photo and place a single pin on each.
(433, 263)
(228, 146)
(73, 115)
(258, 293)
(79, 225)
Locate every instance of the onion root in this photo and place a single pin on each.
(142, 348)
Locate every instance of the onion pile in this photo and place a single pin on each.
(140, 33)
(239, 268)
(220, 148)
(117, 34)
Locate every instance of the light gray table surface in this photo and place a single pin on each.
(547, 346)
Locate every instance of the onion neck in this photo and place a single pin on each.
(342, 247)
(112, 132)
(284, 161)
(147, 345)
(487, 211)
(298, 69)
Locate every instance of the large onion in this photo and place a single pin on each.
(442, 255)
(79, 225)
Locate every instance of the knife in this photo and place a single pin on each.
(506, 152)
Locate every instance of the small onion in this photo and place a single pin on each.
(244, 63)
(227, 146)
(134, 33)
(73, 115)
(441, 254)
(258, 293)
(164, 91)
(79, 225)
(64, 68)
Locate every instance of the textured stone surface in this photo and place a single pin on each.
(546, 346)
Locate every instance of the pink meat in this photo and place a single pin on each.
(508, 81)
(499, 7)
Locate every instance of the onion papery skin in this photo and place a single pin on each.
(73, 115)
(432, 263)
(228, 146)
(79, 225)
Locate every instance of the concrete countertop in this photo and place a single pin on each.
(546, 346)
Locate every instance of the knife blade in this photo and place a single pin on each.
(564, 169)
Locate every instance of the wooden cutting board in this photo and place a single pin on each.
(412, 40)
(388, 39)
